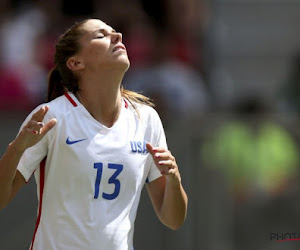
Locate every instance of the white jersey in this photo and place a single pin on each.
(89, 177)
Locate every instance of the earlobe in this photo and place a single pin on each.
(74, 64)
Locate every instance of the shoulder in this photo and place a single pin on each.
(58, 108)
(61, 106)
(146, 114)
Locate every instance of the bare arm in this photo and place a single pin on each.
(10, 179)
(167, 194)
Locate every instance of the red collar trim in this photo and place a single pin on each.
(70, 99)
(75, 104)
(126, 103)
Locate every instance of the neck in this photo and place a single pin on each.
(102, 98)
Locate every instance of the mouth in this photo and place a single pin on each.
(119, 47)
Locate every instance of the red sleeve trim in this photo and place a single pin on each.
(42, 184)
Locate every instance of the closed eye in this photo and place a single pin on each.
(101, 33)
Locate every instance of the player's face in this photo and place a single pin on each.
(102, 46)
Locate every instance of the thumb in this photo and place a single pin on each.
(149, 148)
(49, 125)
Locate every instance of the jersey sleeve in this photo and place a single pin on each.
(33, 156)
(159, 140)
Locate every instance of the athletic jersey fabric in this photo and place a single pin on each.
(89, 177)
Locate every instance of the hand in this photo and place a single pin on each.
(34, 130)
(165, 162)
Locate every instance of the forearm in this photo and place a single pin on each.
(8, 166)
(167, 194)
(173, 208)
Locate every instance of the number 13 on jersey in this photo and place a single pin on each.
(112, 180)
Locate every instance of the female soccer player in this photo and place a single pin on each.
(108, 141)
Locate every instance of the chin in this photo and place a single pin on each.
(124, 63)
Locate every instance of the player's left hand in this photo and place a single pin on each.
(165, 162)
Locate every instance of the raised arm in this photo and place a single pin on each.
(10, 179)
(167, 194)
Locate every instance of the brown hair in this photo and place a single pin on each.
(62, 79)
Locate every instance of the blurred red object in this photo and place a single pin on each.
(13, 95)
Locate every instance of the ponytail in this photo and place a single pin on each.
(55, 85)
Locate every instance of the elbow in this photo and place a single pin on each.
(175, 223)
(3, 205)
(175, 226)
(4, 200)
(179, 221)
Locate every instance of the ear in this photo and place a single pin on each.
(75, 63)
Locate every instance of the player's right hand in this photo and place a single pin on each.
(35, 129)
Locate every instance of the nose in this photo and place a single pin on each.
(116, 37)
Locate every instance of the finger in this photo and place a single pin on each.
(30, 131)
(36, 116)
(34, 125)
(167, 164)
(150, 148)
(27, 131)
(40, 114)
(39, 126)
(163, 156)
(159, 149)
(49, 125)
(171, 171)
